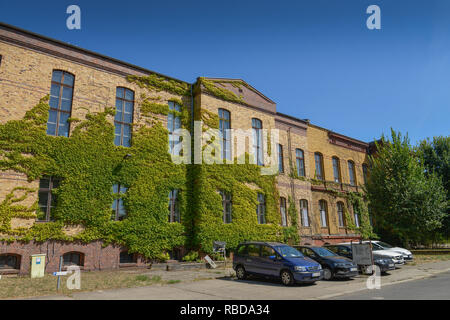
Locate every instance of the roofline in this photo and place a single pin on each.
(339, 134)
(231, 79)
(85, 51)
(292, 118)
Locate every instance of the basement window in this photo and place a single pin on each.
(126, 257)
(9, 261)
(73, 259)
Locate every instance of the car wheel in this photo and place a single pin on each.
(287, 278)
(240, 273)
(327, 274)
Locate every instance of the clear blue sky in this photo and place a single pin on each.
(315, 59)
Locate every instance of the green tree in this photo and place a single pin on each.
(436, 159)
(407, 203)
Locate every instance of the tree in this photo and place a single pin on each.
(407, 203)
(435, 156)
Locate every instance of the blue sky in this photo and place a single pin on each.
(316, 59)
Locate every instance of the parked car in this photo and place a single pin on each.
(333, 265)
(380, 245)
(395, 256)
(384, 263)
(276, 260)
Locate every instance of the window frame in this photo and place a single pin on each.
(280, 158)
(341, 217)
(51, 187)
(351, 172)
(258, 144)
(227, 202)
(365, 170)
(17, 261)
(261, 209)
(117, 199)
(283, 205)
(321, 167)
(226, 138)
(173, 106)
(336, 162)
(322, 220)
(174, 206)
(58, 110)
(122, 123)
(301, 170)
(72, 253)
(302, 201)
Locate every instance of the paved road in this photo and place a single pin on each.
(399, 284)
(436, 287)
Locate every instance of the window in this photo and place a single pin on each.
(319, 165)
(304, 212)
(226, 204)
(126, 257)
(336, 169)
(356, 216)
(323, 213)
(61, 92)
(300, 158)
(253, 250)
(174, 206)
(257, 141)
(261, 209)
(225, 126)
(9, 261)
(340, 210)
(173, 124)
(283, 212)
(124, 116)
(73, 259)
(267, 252)
(242, 250)
(365, 172)
(119, 212)
(46, 197)
(280, 159)
(351, 172)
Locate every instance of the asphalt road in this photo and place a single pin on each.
(436, 287)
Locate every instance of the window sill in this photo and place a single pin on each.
(128, 265)
(9, 271)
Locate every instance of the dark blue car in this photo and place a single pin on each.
(275, 260)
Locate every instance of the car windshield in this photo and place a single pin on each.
(376, 246)
(323, 252)
(289, 252)
(384, 245)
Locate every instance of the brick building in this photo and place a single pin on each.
(314, 162)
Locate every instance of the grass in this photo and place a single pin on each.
(424, 258)
(24, 286)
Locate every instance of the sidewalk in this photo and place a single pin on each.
(223, 286)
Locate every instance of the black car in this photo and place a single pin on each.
(333, 265)
(385, 264)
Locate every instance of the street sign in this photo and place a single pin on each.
(211, 263)
(61, 273)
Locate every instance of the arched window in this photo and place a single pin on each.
(224, 127)
(174, 205)
(73, 259)
(280, 159)
(336, 169)
(304, 212)
(300, 160)
(257, 141)
(261, 209)
(356, 216)
(283, 212)
(173, 124)
(61, 92)
(340, 210)
(323, 213)
(319, 165)
(9, 261)
(351, 172)
(124, 116)
(365, 169)
(226, 205)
